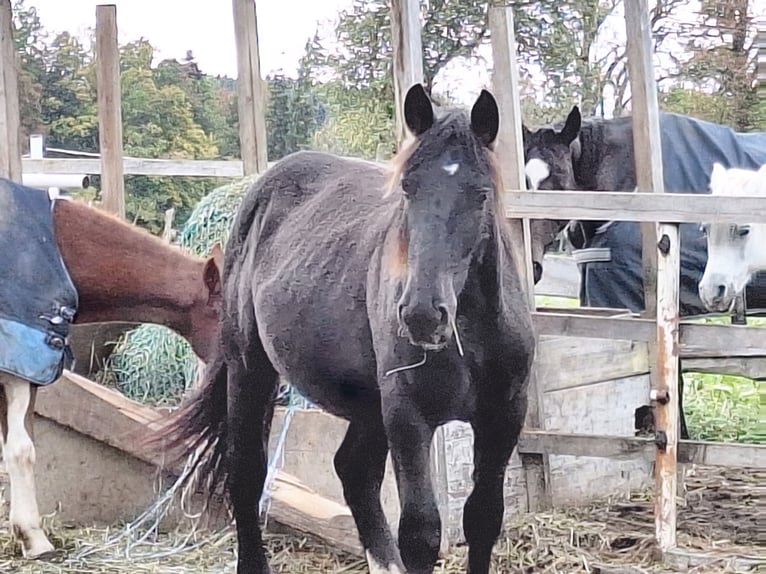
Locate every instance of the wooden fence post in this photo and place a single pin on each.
(510, 150)
(10, 122)
(108, 86)
(408, 70)
(251, 91)
(408, 56)
(666, 252)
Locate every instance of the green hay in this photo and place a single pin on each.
(152, 364)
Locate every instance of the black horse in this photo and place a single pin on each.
(388, 297)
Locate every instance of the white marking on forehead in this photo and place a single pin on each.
(377, 568)
(451, 168)
(537, 171)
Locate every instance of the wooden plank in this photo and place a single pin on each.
(251, 91)
(139, 166)
(567, 363)
(510, 152)
(697, 340)
(722, 454)
(408, 57)
(686, 560)
(634, 206)
(577, 324)
(697, 452)
(110, 417)
(574, 444)
(109, 110)
(661, 262)
(751, 368)
(10, 120)
(302, 509)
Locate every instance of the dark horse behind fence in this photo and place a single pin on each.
(597, 155)
(388, 297)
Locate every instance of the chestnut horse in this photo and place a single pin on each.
(121, 273)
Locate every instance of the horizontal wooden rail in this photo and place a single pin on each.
(689, 451)
(138, 166)
(697, 340)
(630, 206)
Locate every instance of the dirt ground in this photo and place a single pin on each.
(718, 516)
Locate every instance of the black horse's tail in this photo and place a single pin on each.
(198, 427)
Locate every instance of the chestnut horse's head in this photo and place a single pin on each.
(205, 325)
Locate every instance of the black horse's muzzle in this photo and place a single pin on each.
(425, 325)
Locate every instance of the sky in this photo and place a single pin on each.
(208, 31)
(284, 26)
(172, 28)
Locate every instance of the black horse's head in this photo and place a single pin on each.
(549, 156)
(448, 184)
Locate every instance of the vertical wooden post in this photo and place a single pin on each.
(649, 172)
(109, 110)
(408, 70)
(510, 150)
(251, 92)
(760, 70)
(10, 121)
(408, 56)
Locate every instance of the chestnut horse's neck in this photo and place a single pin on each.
(123, 273)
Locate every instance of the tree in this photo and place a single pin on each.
(29, 39)
(294, 114)
(722, 62)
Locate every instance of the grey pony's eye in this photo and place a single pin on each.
(743, 231)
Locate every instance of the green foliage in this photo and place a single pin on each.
(295, 113)
(724, 408)
(358, 124)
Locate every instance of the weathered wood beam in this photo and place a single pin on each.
(510, 152)
(697, 340)
(139, 166)
(251, 89)
(634, 206)
(10, 120)
(113, 419)
(697, 452)
(109, 110)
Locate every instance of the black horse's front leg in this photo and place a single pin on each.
(409, 437)
(496, 432)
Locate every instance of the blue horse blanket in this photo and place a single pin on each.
(38, 300)
(689, 149)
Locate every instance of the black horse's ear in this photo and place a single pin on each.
(571, 128)
(485, 118)
(525, 131)
(418, 110)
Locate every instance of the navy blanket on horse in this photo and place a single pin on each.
(612, 275)
(38, 300)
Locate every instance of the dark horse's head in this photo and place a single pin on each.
(549, 158)
(448, 183)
